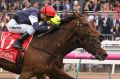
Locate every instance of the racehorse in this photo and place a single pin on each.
(45, 54)
(85, 37)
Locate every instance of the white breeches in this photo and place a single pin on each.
(12, 26)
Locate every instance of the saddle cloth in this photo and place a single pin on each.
(6, 50)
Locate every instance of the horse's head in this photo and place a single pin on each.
(90, 38)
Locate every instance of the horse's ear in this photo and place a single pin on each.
(76, 14)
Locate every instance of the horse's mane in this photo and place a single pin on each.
(67, 19)
(83, 20)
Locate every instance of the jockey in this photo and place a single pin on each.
(28, 21)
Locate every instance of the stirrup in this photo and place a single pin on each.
(17, 45)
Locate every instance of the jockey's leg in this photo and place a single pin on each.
(26, 75)
(20, 28)
(12, 26)
(20, 41)
(29, 31)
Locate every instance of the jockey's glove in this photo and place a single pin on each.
(33, 19)
(49, 27)
(40, 23)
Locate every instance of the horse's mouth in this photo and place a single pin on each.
(101, 56)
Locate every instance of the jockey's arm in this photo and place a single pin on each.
(34, 21)
(36, 25)
(40, 27)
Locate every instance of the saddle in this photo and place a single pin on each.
(7, 51)
(8, 39)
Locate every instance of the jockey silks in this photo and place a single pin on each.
(27, 17)
(22, 17)
(31, 17)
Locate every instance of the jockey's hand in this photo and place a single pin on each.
(49, 23)
(49, 27)
(52, 26)
(40, 23)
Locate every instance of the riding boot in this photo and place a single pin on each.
(18, 44)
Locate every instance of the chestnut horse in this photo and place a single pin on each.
(85, 37)
(45, 54)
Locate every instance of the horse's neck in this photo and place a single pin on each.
(66, 32)
(56, 43)
(66, 39)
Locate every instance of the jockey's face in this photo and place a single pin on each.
(44, 17)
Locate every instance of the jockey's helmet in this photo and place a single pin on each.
(49, 11)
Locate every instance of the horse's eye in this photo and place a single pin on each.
(86, 24)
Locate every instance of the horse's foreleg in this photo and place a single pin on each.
(41, 77)
(57, 73)
(25, 75)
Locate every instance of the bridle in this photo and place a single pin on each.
(78, 26)
(88, 38)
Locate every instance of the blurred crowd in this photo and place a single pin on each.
(104, 14)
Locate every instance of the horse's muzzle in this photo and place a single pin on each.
(101, 56)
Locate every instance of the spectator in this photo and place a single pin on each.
(3, 5)
(117, 9)
(4, 19)
(26, 4)
(10, 6)
(89, 6)
(76, 6)
(102, 3)
(53, 2)
(17, 5)
(35, 5)
(117, 6)
(97, 24)
(46, 3)
(107, 7)
(98, 5)
(116, 31)
(58, 6)
(67, 6)
(116, 27)
(63, 16)
(106, 22)
(112, 3)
